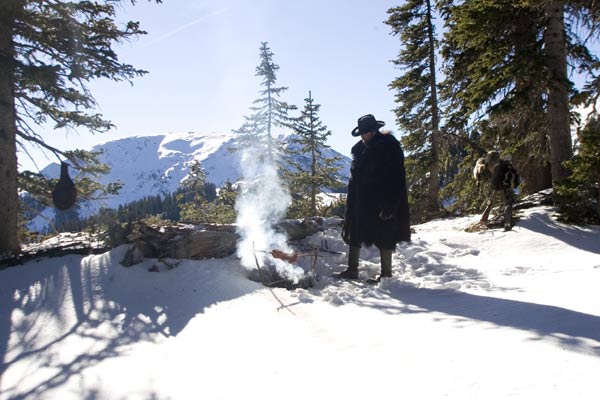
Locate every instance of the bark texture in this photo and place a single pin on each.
(559, 128)
(9, 208)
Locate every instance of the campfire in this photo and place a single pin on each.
(269, 274)
(262, 202)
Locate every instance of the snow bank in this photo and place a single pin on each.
(489, 315)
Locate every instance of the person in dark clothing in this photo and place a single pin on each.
(377, 203)
(503, 178)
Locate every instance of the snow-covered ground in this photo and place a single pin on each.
(489, 315)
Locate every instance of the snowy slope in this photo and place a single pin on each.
(151, 165)
(489, 315)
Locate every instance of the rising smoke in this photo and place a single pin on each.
(262, 201)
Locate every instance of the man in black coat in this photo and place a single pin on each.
(377, 203)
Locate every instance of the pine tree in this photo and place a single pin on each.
(227, 194)
(222, 211)
(192, 197)
(559, 124)
(578, 197)
(49, 51)
(310, 142)
(418, 111)
(39, 188)
(509, 85)
(494, 91)
(563, 22)
(268, 110)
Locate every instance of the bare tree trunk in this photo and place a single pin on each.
(536, 175)
(598, 199)
(559, 128)
(9, 205)
(434, 169)
(532, 158)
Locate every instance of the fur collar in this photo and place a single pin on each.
(380, 137)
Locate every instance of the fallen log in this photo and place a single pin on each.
(178, 241)
(201, 242)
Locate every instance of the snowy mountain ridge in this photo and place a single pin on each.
(151, 165)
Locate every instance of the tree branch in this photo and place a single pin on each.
(48, 147)
(468, 141)
(40, 215)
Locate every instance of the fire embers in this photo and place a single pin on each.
(284, 269)
(64, 194)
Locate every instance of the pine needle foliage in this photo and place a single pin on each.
(268, 111)
(49, 52)
(578, 198)
(503, 82)
(418, 111)
(308, 144)
(192, 197)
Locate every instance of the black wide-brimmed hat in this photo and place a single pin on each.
(367, 123)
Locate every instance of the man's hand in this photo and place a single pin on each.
(385, 216)
(346, 233)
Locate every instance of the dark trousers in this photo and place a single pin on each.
(385, 255)
(509, 199)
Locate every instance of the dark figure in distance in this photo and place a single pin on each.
(377, 203)
(503, 178)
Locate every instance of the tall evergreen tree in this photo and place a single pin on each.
(579, 195)
(268, 110)
(559, 124)
(223, 209)
(418, 111)
(506, 76)
(49, 51)
(310, 142)
(192, 196)
(495, 76)
(564, 21)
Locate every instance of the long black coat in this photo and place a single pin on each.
(377, 185)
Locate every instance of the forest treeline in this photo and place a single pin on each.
(484, 75)
(473, 76)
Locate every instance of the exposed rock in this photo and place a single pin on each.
(202, 244)
(299, 229)
(541, 198)
(134, 255)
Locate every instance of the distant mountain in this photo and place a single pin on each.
(151, 165)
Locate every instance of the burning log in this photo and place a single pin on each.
(270, 277)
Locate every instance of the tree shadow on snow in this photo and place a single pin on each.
(574, 330)
(112, 308)
(584, 238)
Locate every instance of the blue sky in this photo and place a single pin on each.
(202, 55)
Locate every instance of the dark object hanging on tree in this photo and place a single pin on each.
(64, 194)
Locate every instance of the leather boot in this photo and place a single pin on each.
(352, 271)
(348, 273)
(386, 263)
